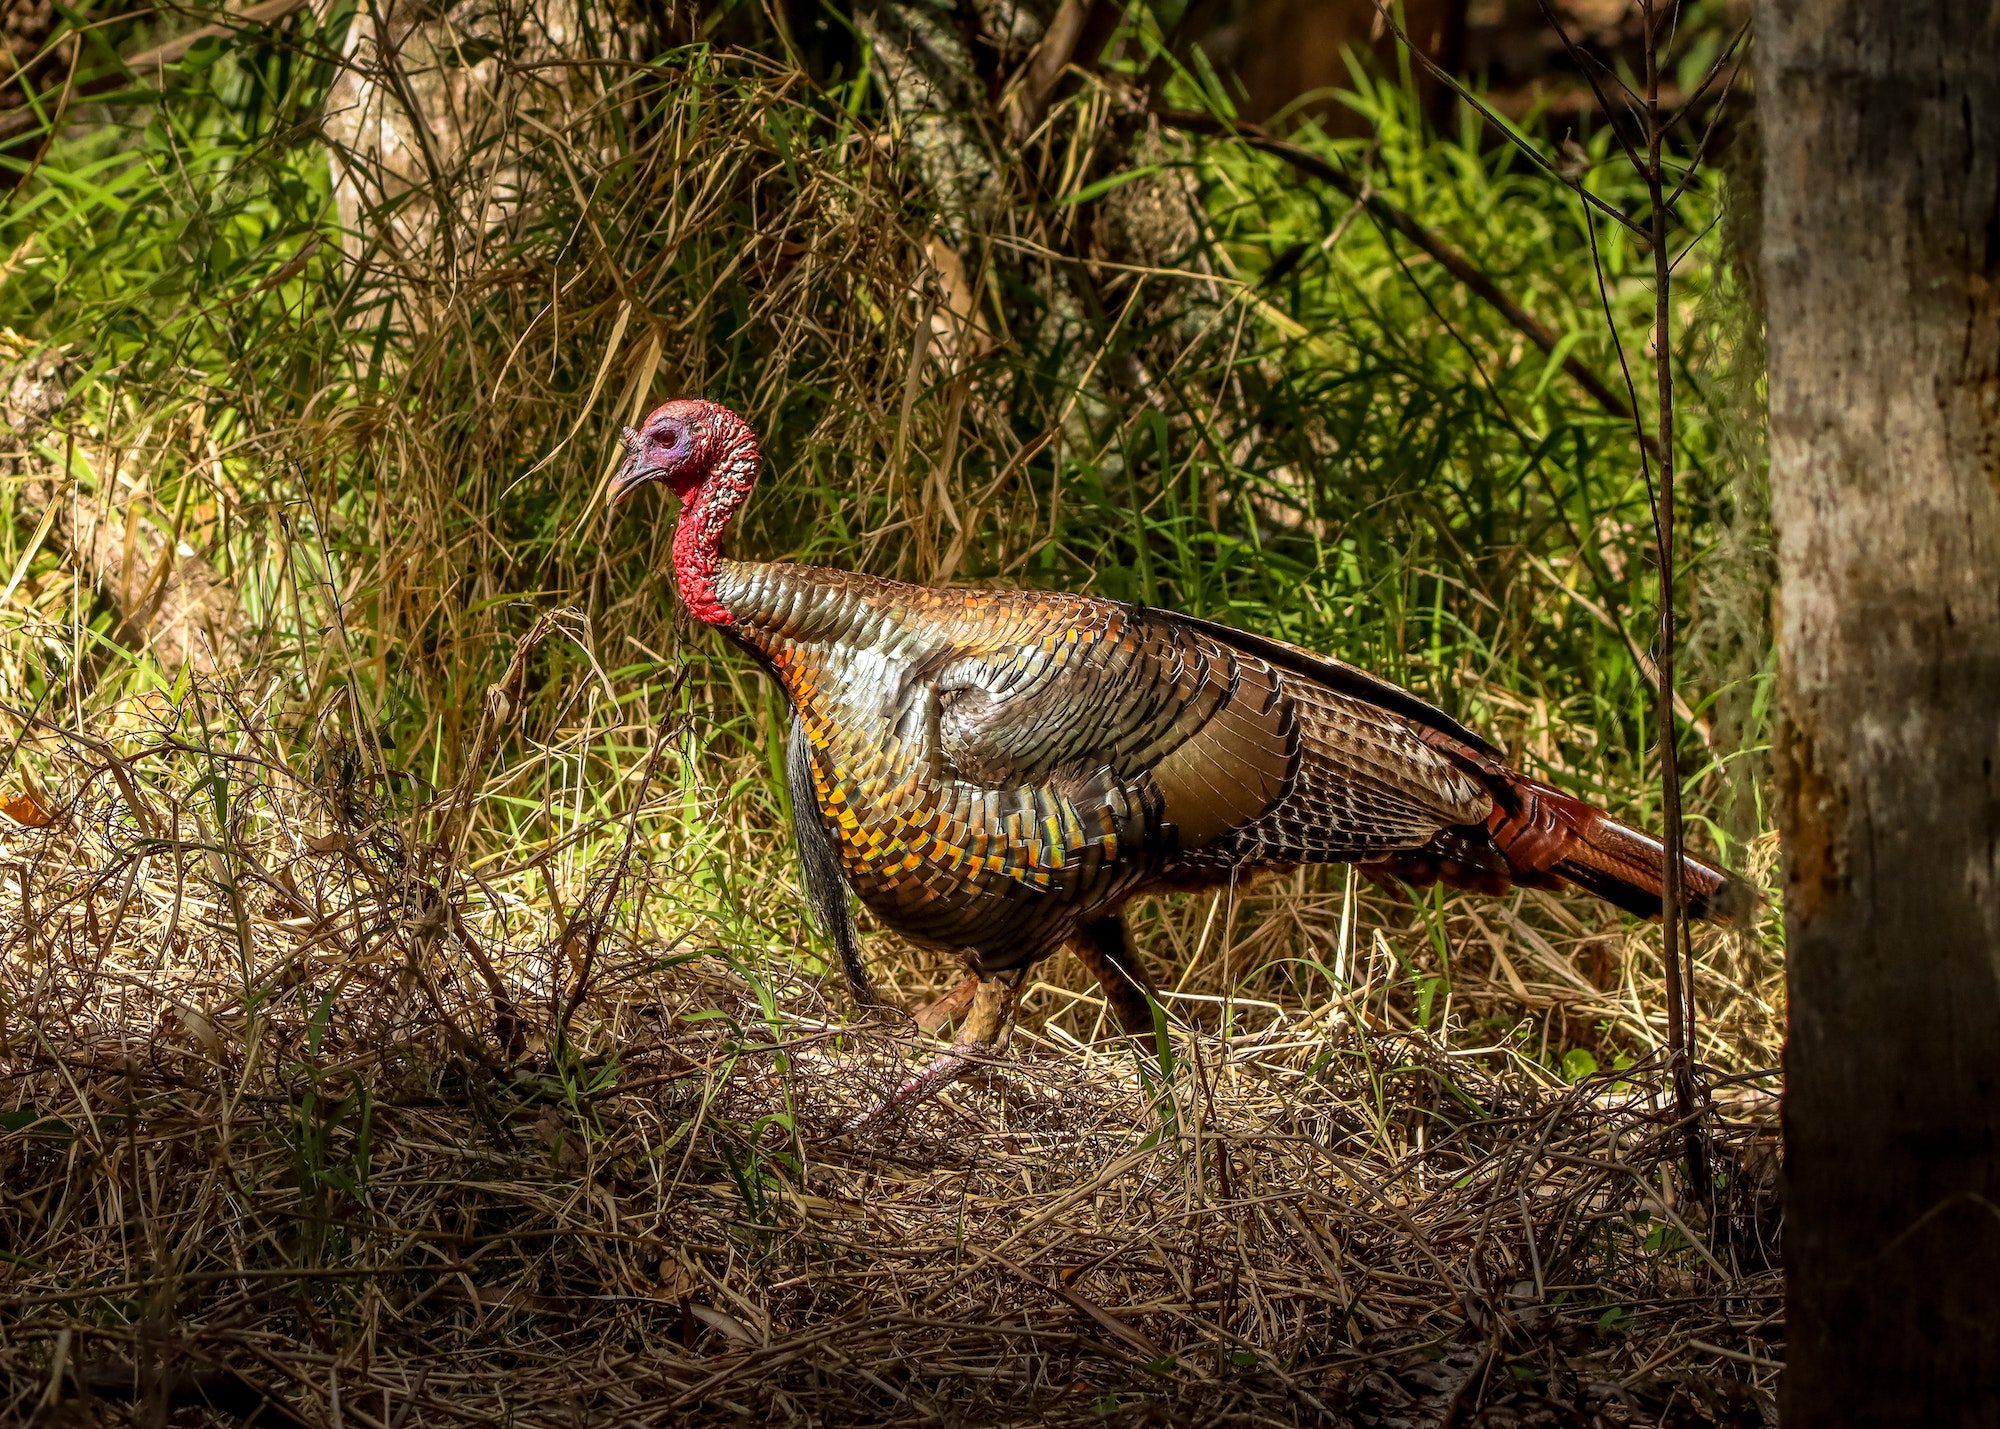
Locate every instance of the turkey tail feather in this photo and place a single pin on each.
(1546, 835)
(1540, 837)
(819, 863)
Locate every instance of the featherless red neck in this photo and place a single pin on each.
(708, 456)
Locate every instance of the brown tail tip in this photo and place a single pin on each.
(1547, 836)
(1733, 903)
(1629, 868)
(1540, 837)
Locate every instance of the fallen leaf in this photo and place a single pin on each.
(27, 810)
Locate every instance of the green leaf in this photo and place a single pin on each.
(203, 53)
(31, 1122)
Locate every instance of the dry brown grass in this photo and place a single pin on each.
(300, 1109)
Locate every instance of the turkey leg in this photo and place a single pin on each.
(1105, 947)
(980, 1036)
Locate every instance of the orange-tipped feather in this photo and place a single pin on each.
(1540, 837)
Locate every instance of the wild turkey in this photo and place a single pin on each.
(997, 772)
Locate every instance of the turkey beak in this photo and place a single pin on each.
(632, 474)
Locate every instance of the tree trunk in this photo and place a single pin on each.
(1881, 260)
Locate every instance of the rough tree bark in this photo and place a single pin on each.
(1881, 260)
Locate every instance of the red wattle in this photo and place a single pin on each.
(732, 472)
(696, 557)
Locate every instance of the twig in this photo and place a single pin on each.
(1725, 70)
(593, 922)
(1513, 136)
(1577, 101)
(1680, 985)
(1587, 63)
(1027, 98)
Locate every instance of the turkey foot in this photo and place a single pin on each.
(983, 1033)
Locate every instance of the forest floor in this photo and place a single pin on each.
(304, 1124)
